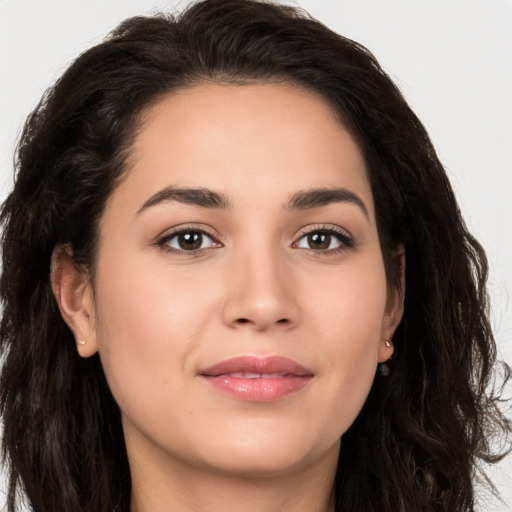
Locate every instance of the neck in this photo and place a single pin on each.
(173, 486)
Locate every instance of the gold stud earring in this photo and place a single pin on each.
(388, 343)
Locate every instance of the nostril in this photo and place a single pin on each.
(246, 321)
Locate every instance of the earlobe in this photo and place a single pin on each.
(73, 292)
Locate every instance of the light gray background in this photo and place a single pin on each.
(451, 58)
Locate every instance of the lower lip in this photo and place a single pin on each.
(260, 389)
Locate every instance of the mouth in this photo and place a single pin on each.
(257, 379)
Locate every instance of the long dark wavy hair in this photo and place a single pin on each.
(417, 444)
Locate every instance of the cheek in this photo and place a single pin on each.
(350, 306)
(349, 320)
(148, 324)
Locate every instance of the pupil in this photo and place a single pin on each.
(190, 241)
(319, 240)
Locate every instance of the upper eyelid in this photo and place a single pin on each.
(331, 228)
(176, 230)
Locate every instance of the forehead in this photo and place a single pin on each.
(259, 140)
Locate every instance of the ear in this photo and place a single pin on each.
(394, 308)
(73, 292)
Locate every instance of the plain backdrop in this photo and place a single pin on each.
(451, 58)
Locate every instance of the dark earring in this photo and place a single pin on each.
(384, 370)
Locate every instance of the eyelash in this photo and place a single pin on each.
(345, 239)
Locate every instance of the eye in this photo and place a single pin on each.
(188, 240)
(325, 240)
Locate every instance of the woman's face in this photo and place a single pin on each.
(240, 300)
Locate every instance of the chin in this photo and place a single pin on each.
(258, 465)
(265, 456)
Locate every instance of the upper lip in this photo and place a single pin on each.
(261, 365)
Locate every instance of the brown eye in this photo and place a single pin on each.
(326, 240)
(188, 241)
(319, 240)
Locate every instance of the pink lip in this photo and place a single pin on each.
(278, 377)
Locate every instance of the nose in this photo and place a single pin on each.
(261, 293)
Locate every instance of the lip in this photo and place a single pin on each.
(257, 379)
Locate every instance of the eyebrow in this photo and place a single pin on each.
(203, 197)
(206, 198)
(315, 198)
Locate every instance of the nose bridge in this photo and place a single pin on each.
(261, 287)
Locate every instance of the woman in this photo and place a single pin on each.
(236, 278)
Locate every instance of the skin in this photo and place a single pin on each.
(255, 287)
